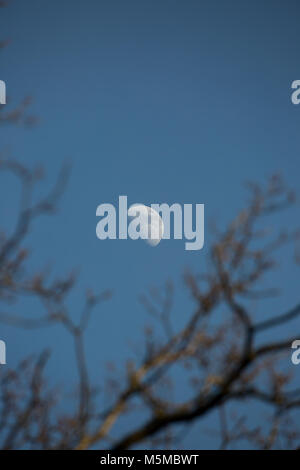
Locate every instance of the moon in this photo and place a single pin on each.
(152, 226)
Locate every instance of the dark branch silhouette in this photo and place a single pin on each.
(222, 351)
(225, 358)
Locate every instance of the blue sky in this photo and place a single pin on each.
(164, 101)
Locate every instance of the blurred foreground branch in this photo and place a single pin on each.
(220, 350)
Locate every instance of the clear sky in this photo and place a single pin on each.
(163, 101)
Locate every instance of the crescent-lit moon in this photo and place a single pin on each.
(152, 226)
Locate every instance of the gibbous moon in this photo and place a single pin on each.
(151, 225)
